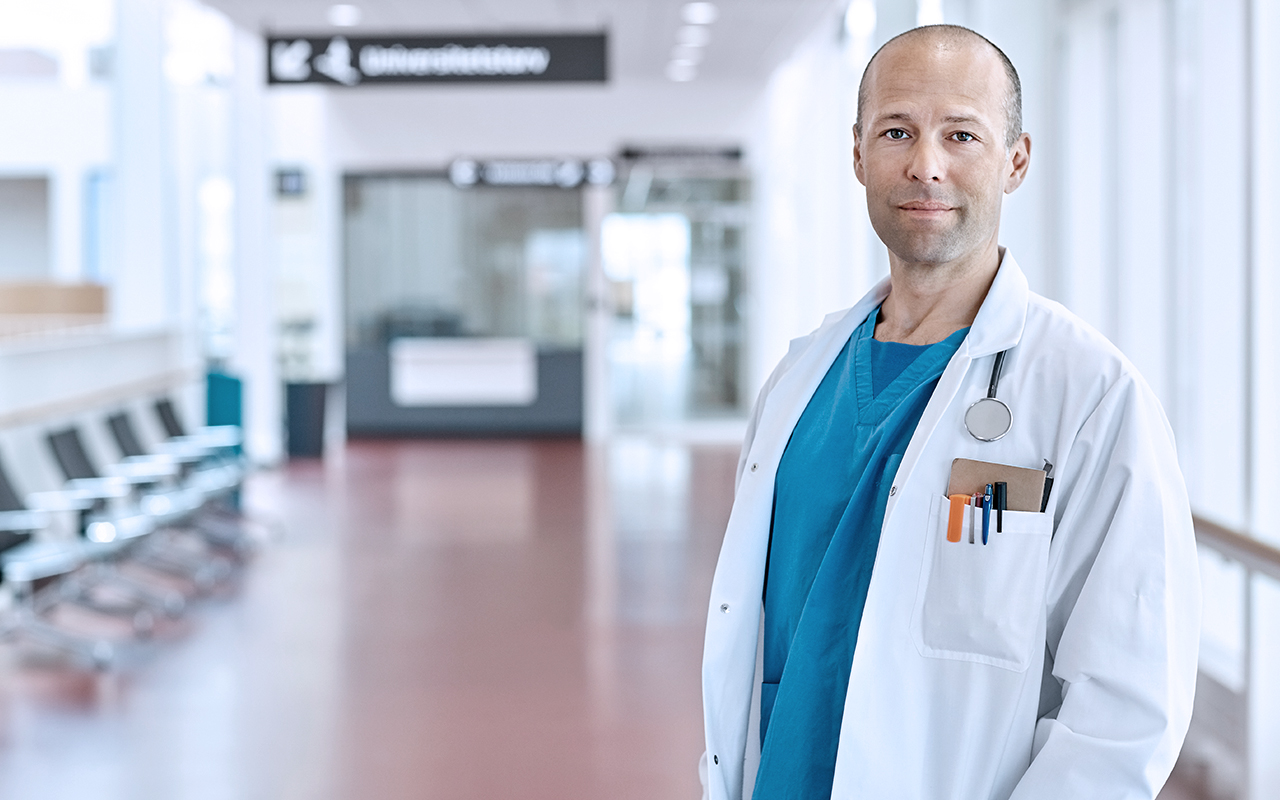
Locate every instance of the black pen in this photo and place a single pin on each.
(1048, 486)
(1002, 500)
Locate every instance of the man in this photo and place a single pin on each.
(870, 636)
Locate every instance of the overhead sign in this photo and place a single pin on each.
(372, 60)
(565, 173)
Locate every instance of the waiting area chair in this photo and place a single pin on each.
(40, 574)
(200, 485)
(143, 515)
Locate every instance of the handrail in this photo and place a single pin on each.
(1254, 555)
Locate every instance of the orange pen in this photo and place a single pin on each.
(955, 523)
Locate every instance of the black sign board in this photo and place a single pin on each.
(373, 60)
(291, 183)
(565, 173)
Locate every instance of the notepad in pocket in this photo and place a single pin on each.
(1026, 486)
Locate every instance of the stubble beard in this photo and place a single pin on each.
(923, 246)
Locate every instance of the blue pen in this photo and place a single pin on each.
(986, 513)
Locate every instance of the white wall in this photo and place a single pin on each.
(813, 245)
(427, 127)
(60, 134)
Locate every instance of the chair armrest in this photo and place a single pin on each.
(59, 500)
(35, 560)
(144, 469)
(184, 452)
(99, 488)
(218, 437)
(221, 435)
(102, 530)
(23, 520)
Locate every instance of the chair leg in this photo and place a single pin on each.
(22, 621)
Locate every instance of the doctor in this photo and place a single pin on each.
(854, 649)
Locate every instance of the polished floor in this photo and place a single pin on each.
(431, 619)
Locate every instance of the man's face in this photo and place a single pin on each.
(932, 151)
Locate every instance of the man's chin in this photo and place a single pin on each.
(927, 253)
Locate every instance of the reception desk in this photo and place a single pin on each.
(463, 386)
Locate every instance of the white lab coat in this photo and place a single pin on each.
(1060, 663)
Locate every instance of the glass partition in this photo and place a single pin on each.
(674, 257)
(425, 258)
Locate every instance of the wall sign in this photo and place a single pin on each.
(361, 60)
(291, 182)
(565, 173)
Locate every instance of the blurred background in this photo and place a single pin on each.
(457, 310)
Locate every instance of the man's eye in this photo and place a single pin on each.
(961, 136)
(896, 133)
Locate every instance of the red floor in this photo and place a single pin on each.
(437, 619)
(434, 619)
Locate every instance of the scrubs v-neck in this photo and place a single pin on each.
(829, 503)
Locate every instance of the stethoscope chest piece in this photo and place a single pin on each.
(988, 419)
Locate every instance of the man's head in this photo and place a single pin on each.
(938, 142)
(958, 35)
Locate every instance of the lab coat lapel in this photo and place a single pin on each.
(791, 396)
(998, 326)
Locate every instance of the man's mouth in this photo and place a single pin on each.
(925, 206)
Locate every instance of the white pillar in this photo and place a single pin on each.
(307, 239)
(254, 352)
(1264, 646)
(597, 203)
(140, 291)
(66, 204)
(1263, 710)
(1265, 258)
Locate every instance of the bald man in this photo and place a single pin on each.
(960, 561)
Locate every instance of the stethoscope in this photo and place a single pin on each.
(989, 418)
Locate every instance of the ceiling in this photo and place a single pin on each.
(749, 38)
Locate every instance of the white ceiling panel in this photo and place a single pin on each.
(749, 38)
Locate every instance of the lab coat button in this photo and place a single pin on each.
(716, 760)
(724, 608)
(893, 490)
(755, 467)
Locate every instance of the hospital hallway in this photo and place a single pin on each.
(431, 619)
(435, 619)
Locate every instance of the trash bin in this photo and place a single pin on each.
(224, 399)
(304, 415)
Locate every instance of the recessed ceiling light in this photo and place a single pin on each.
(693, 36)
(344, 15)
(681, 71)
(699, 13)
(860, 18)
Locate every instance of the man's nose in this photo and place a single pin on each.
(926, 162)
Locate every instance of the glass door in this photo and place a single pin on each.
(674, 262)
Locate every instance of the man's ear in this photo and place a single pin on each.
(1018, 162)
(857, 158)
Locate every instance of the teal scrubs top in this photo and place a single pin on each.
(829, 502)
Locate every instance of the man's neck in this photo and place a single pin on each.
(929, 302)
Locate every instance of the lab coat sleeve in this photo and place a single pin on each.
(1123, 615)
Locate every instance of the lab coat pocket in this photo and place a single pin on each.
(982, 603)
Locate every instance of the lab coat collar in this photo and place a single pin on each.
(1000, 319)
(1003, 314)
